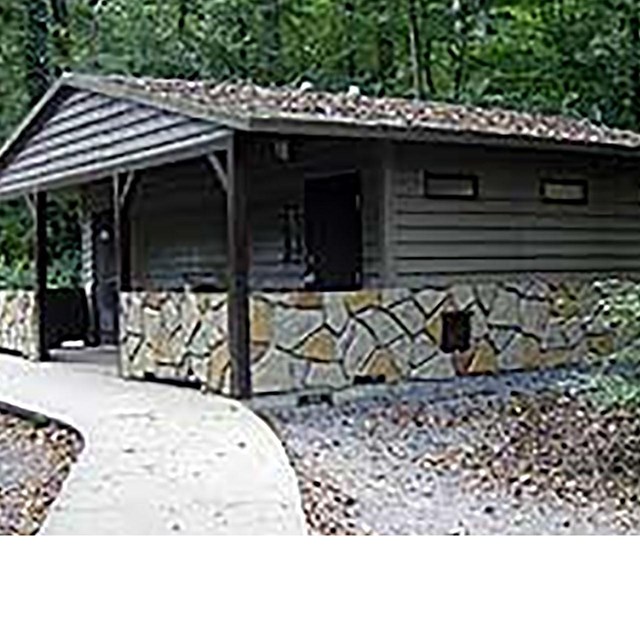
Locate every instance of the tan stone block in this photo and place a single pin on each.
(258, 351)
(440, 367)
(531, 354)
(219, 361)
(539, 290)
(433, 328)
(505, 309)
(564, 306)
(384, 326)
(485, 295)
(293, 325)
(479, 327)
(462, 362)
(383, 364)
(402, 351)
(336, 312)
(305, 299)
(430, 300)
(484, 359)
(463, 296)
(193, 307)
(556, 358)
(423, 350)
(409, 316)
(261, 317)
(602, 345)
(325, 375)
(534, 316)
(523, 353)
(360, 300)
(356, 344)
(275, 373)
(319, 347)
(393, 297)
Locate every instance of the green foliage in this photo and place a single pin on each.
(580, 57)
(16, 242)
(618, 382)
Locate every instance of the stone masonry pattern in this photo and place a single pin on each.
(19, 322)
(307, 341)
(323, 342)
(176, 337)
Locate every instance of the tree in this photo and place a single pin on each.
(36, 48)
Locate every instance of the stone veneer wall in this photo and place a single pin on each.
(19, 322)
(303, 341)
(175, 336)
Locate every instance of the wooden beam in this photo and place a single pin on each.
(219, 170)
(41, 258)
(126, 188)
(239, 264)
(30, 201)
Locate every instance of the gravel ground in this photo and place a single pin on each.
(517, 454)
(35, 459)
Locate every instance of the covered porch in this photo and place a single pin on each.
(194, 237)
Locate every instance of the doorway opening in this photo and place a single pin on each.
(333, 232)
(81, 316)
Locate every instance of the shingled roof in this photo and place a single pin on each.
(249, 106)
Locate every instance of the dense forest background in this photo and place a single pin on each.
(579, 57)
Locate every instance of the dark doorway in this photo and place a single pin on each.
(333, 231)
(105, 280)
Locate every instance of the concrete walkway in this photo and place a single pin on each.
(157, 459)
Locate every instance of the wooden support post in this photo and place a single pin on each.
(123, 191)
(41, 259)
(239, 260)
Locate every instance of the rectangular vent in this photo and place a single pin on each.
(456, 331)
(369, 380)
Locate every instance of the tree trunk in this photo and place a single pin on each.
(271, 39)
(385, 49)
(415, 43)
(60, 34)
(349, 19)
(634, 25)
(183, 12)
(37, 48)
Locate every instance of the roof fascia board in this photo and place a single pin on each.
(352, 129)
(33, 115)
(136, 162)
(175, 105)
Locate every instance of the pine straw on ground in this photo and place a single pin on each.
(553, 446)
(35, 460)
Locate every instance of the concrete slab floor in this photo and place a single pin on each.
(157, 459)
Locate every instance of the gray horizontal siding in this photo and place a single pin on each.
(85, 135)
(178, 228)
(179, 221)
(508, 229)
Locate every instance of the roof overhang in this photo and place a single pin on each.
(169, 153)
(292, 125)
